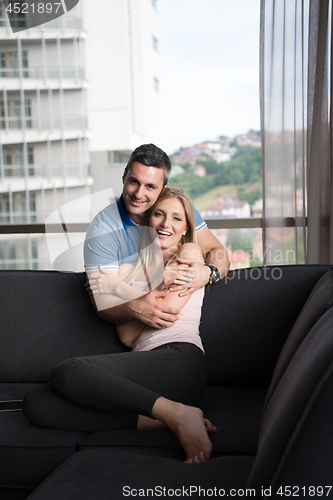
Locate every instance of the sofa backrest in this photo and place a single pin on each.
(247, 317)
(295, 445)
(46, 317)
(319, 301)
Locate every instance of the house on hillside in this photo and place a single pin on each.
(227, 206)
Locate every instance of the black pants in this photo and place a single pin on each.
(108, 392)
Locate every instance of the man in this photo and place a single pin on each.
(114, 237)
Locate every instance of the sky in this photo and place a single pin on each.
(209, 61)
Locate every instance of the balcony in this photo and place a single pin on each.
(41, 128)
(66, 26)
(49, 73)
(43, 171)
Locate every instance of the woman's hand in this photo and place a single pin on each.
(200, 273)
(102, 282)
(177, 274)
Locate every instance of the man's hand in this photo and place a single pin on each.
(199, 271)
(153, 313)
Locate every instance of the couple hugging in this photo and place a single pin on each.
(148, 257)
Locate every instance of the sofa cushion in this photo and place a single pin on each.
(234, 411)
(319, 301)
(46, 317)
(120, 473)
(28, 454)
(242, 325)
(14, 391)
(15, 493)
(11, 395)
(296, 435)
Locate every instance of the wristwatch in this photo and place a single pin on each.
(214, 275)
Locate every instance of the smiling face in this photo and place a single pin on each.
(142, 186)
(168, 218)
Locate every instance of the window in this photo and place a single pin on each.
(120, 157)
(34, 252)
(211, 116)
(156, 84)
(17, 20)
(155, 43)
(14, 254)
(14, 114)
(2, 15)
(13, 157)
(4, 208)
(117, 157)
(9, 64)
(18, 214)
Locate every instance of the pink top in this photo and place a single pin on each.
(185, 329)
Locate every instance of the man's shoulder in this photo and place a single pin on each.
(199, 221)
(108, 218)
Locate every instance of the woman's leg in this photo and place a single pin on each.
(159, 384)
(47, 408)
(131, 382)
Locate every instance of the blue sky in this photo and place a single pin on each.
(209, 56)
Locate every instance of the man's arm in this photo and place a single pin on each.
(109, 300)
(213, 251)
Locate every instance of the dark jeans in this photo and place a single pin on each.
(108, 392)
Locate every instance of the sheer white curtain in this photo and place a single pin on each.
(295, 86)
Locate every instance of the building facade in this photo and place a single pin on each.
(77, 95)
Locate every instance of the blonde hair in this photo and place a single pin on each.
(147, 255)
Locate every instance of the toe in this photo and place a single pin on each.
(209, 426)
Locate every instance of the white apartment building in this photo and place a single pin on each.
(77, 95)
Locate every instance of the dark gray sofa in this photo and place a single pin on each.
(268, 336)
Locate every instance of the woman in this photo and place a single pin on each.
(160, 383)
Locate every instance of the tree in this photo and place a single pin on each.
(248, 161)
(251, 195)
(239, 240)
(236, 176)
(193, 184)
(211, 165)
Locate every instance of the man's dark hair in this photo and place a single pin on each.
(151, 156)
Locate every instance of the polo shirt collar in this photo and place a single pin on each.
(125, 218)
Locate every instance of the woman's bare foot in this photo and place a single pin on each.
(148, 423)
(189, 426)
(209, 426)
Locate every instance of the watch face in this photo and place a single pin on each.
(215, 277)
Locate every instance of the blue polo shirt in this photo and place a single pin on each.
(113, 238)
